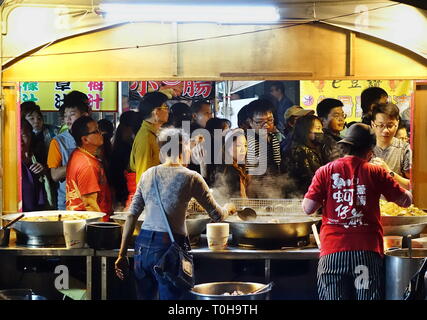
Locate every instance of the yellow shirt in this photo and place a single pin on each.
(145, 150)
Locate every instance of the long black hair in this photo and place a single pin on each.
(302, 129)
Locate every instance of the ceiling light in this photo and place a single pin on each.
(189, 13)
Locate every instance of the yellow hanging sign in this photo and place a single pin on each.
(49, 95)
(400, 92)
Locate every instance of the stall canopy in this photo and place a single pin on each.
(31, 25)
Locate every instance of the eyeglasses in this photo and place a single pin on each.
(382, 126)
(97, 131)
(339, 116)
(263, 122)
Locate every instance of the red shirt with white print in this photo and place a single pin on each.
(349, 190)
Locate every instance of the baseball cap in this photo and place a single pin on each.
(297, 111)
(360, 135)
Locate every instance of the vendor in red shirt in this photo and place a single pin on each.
(87, 188)
(348, 190)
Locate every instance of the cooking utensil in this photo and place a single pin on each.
(103, 235)
(263, 288)
(20, 294)
(316, 234)
(13, 221)
(400, 266)
(271, 231)
(247, 214)
(216, 290)
(404, 230)
(5, 231)
(196, 223)
(401, 220)
(47, 228)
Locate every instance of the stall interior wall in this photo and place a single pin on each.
(155, 51)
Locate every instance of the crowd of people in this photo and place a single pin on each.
(297, 142)
(275, 152)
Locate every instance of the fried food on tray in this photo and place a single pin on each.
(392, 209)
(64, 217)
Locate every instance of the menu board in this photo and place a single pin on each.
(50, 95)
(400, 92)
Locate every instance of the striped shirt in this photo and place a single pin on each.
(273, 155)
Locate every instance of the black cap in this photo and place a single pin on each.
(360, 135)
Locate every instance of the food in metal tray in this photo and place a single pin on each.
(392, 209)
(64, 217)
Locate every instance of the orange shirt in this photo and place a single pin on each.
(85, 175)
(54, 156)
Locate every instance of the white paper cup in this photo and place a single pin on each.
(217, 229)
(217, 235)
(74, 233)
(217, 243)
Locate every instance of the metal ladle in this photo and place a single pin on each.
(247, 214)
(263, 288)
(13, 221)
(4, 232)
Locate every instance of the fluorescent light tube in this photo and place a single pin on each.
(190, 13)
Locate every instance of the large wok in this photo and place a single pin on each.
(196, 223)
(271, 231)
(403, 225)
(47, 228)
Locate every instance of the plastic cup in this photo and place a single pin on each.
(74, 233)
(217, 235)
(392, 242)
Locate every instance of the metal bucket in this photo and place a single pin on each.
(19, 294)
(216, 290)
(399, 269)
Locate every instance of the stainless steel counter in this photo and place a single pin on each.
(201, 250)
(16, 250)
(305, 253)
(231, 253)
(54, 251)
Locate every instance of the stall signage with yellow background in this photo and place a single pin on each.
(49, 95)
(348, 91)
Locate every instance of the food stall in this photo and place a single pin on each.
(325, 41)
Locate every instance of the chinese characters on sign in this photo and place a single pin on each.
(344, 190)
(174, 89)
(348, 91)
(50, 95)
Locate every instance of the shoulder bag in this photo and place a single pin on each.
(176, 264)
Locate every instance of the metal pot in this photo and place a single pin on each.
(103, 235)
(399, 269)
(47, 228)
(19, 294)
(216, 290)
(271, 231)
(120, 218)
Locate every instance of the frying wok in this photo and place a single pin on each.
(271, 230)
(47, 228)
(403, 225)
(196, 223)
